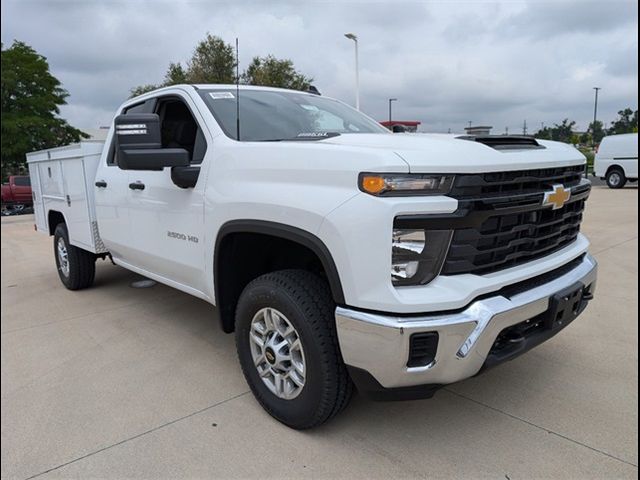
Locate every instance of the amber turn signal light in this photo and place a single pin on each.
(372, 184)
(404, 184)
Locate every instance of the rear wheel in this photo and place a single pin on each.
(76, 267)
(288, 348)
(616, 178)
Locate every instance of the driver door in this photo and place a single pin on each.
(167, 221)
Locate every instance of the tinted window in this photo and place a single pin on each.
(273, 115)
(23, 181)
(144, 107)
(180, 130)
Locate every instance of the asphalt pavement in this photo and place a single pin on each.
(118, 382)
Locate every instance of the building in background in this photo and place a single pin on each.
(97, 133)
(478, 130)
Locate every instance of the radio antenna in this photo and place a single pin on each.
(237, 93)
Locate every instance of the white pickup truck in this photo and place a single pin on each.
(339, 253)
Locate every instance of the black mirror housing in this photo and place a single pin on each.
(185, 177)
(139, 144)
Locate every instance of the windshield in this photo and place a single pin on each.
(281, 115)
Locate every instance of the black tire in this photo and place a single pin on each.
(81, 268)
(616, 178)
(306, 302)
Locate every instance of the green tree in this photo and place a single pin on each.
(140, 89)
(543, 133)
(272, 72)
(594, 134)
(597, 131)
(213, 61)
(562, 132)
(175, 75)
(31, 99)
(627, 122)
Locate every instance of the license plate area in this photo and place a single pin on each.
(565, 306)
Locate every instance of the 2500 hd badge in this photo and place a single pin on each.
(182, 236)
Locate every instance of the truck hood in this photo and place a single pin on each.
(437, 153)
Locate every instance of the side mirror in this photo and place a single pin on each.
(185, 177)
(139, 145)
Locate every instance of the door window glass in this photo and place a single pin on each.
(23, 181)
(180, 130)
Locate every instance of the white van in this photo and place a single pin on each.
(617, 159)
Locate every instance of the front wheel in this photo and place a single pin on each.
(616, 178)
(76, 267)
(288, 348)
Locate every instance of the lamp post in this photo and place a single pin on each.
(595, 116)
(353, 37)
(391, 100)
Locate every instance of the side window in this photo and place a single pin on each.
(23, 181)
(180, 130)
(143, 107)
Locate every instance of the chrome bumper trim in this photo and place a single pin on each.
(379, 343)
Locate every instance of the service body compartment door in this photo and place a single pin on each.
(38, 204)
(51, 180)
(77, 207)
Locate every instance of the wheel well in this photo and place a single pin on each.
(54, 218)
(241, 256)
(614, 167)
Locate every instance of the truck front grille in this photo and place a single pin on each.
(516, 182)
(516, 228)
(501, 221)
(505, 241)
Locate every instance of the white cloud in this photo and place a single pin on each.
(590, 71)
(446, 62)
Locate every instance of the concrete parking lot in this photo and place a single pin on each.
(117, 382)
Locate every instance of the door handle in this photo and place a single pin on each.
(101, 184)
(136, 186)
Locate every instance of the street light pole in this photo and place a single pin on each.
(595, 116)
(353, 37)
(391, 100)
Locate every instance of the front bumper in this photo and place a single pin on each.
(376, 346)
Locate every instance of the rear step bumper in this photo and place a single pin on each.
(448, 347)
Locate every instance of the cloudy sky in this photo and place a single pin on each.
(447, 62)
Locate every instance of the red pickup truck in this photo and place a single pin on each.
(17, 192)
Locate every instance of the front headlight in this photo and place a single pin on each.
(401, 184)
(417, 255)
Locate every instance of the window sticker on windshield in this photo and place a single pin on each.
(312, 135)
(219, 95)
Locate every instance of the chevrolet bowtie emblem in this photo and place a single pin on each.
(557, 197)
